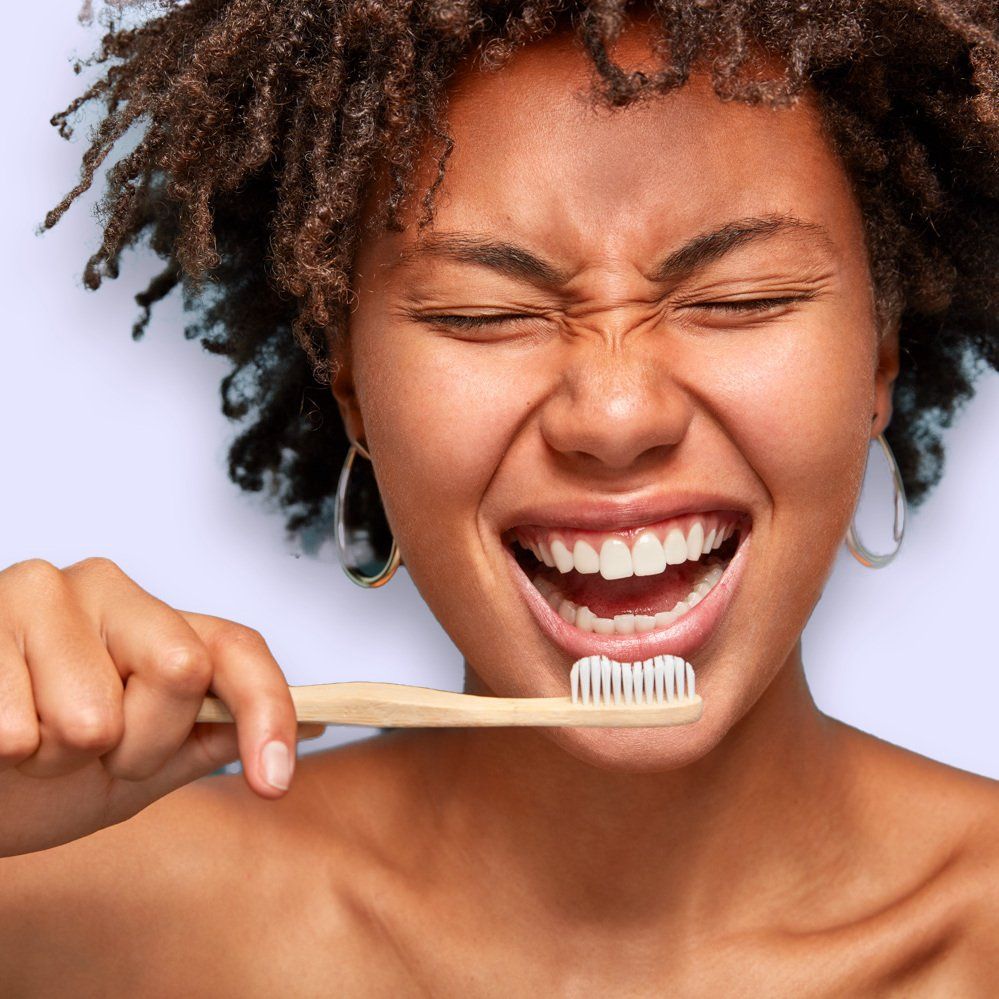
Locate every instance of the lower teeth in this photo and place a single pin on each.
(625, 624)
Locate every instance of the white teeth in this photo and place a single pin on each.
(585, 558)
(665, 618)
(615, 559)
(628, 623)
(562, 556)
(567, 611)
(675, 547)
(624, 624)
(644, 622)
(695, 540)
(648, 556)
(585, 618)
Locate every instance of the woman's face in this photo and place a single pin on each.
(661, 317)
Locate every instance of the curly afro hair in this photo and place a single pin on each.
(262, 123)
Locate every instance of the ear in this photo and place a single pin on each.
(345, 393)
(884, 379)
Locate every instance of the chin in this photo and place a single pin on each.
(644, 750)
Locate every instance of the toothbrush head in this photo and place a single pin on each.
(599, 680)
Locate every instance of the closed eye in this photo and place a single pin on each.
(748, 304)
(468, 322)
(745, 305)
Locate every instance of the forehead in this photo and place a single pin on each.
(534, 156)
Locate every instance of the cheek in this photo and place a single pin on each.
(441, 414)
(799, 409)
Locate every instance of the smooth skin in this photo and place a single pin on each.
(766, 850)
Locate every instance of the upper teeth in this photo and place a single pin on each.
(615, 558)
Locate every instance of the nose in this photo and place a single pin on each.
(616, 407)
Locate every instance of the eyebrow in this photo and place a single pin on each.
(702, 249)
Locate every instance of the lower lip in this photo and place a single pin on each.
(682, 638)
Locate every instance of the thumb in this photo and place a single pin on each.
(209, 745)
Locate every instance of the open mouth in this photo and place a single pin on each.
(628, 582)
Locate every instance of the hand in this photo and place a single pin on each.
(100, 685)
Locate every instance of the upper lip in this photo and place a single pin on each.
(592, 513)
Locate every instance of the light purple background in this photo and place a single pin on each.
(117, 448)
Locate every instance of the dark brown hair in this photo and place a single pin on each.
(262, 123)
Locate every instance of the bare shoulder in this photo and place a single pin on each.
(977, 944)
(941, 824)
(210, 883)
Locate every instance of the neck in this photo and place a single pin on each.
(751, 819)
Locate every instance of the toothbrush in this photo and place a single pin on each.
(604, 693)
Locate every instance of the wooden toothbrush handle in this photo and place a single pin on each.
(399, 705)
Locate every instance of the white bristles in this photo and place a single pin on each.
(600, 680)
(669, 676)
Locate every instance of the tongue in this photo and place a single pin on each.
(632, 595)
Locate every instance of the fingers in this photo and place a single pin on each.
(19, 735)
(74, 684)
(165, 666)
(250, 682)
(93, 665)
(208, 747)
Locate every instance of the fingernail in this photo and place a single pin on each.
(277, 763)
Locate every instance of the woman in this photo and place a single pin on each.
(688, 304)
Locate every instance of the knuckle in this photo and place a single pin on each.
(240, 636)
(90, 730)
(18, 743)
(95, 565)
(36, 573)
(184, 668)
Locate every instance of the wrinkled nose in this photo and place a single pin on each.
(615, 407)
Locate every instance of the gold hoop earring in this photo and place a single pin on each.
(857, 548)
(358, 542)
